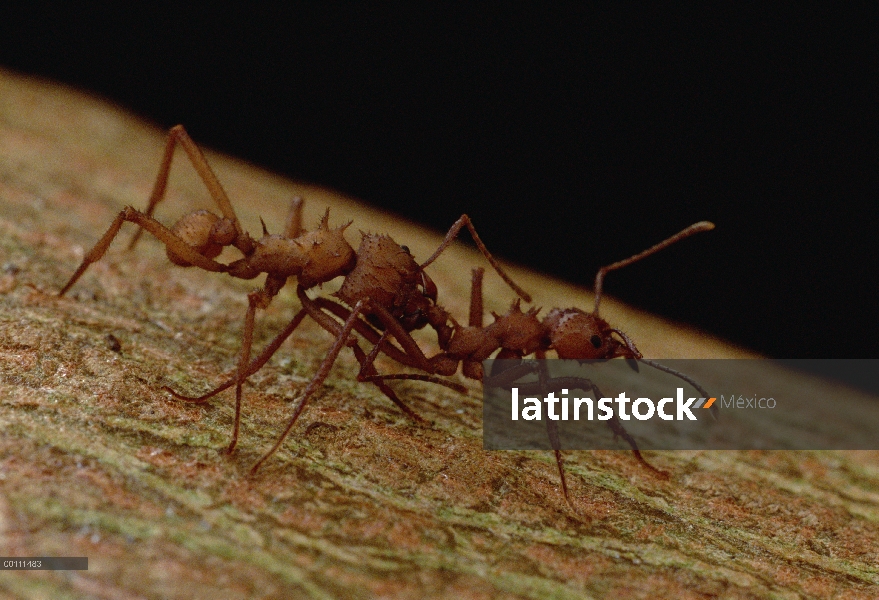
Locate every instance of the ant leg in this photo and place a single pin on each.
(342, 340)
(335, 329)
(293, 221)
(472, 369)
(511, 374)
(162, 233)
(614, 423)
(684, 233)
(381, 385)
(453, 233)
(178, 135)
(457, 387)
(322, 319)
(552, 432)
(476, 298)
(560, 463)
(394, 353)
(362, 327)
(256, 299)
(254, 366)
(410, 356)
(246, 343)
(368, 372)
(556, 385)
(619, 430)
(417, 359)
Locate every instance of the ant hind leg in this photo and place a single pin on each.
(162, 233)
(178, 135)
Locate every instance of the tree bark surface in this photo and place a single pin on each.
(97, 460)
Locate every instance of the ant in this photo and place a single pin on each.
(382, 280)
(572, 333)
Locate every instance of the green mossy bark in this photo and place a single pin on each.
(96, 460)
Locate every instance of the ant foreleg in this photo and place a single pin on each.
(361, 327)
(178, 135)
(552, 432)
(453, 233)
(323, 371)
(367, 370)
(614, 423)
(410, 356)
(162, 233)
(334, 328)
(456, 387)
(416, 357)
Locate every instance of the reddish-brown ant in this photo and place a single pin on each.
(382, 280)
(572, 333)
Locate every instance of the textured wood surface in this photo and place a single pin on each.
(96, 460)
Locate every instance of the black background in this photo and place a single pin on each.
(574, 136)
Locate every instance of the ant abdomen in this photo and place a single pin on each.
(204, 231)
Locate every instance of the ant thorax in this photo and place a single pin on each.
(314, 257)
(517, 331)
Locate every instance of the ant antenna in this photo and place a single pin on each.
(599, 277)
(683, 376)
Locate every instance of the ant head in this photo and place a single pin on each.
(384, 273)
(576, 334)
(204, 231)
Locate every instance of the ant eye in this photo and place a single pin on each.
(596, 341)
(405, 249)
